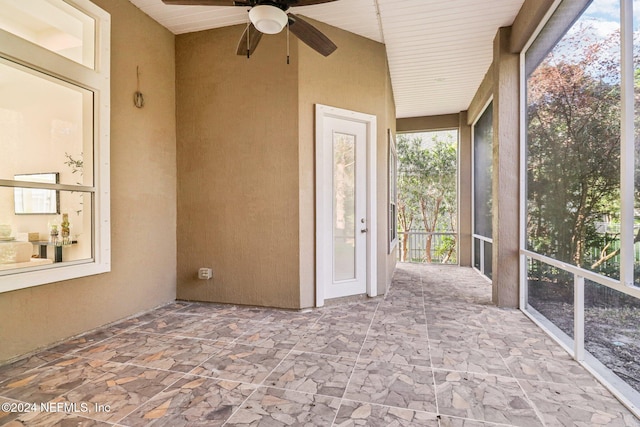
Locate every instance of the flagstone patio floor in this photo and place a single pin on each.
(433, 352)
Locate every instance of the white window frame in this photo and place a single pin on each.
(625, 393)
(392, 193)
(97, 80)
(475, 236)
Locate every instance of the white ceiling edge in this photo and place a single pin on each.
(438, 50)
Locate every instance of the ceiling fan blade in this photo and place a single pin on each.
(250, 3)
(206, 2)
(254, 37)
(311, 35)
(294, 3)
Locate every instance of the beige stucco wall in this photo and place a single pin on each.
(428, 123)
(237, 169)
(481, 98)
(501, 83)
(355, 77)
(392, 256)
(143, 203)
(465, 180)
(246, 163)
(506, 172)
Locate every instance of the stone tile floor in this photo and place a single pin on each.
(433, 352)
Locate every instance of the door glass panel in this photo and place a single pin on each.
(344, 192)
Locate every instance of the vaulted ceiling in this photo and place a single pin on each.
(438, 50)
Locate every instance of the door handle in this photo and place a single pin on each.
(364, 230)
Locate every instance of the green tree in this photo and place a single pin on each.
(427, 189)
(573, 148)
(407, 207)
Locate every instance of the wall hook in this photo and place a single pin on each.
(138, 98)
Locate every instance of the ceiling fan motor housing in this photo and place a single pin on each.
(268, 19)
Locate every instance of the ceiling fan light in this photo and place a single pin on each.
(268, 19)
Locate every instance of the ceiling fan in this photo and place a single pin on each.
(270, 17)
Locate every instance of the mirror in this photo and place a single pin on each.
(37, 201)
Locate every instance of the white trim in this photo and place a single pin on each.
(587, 274)
(620, 389)
(392, 149)
(458, 198)
(482, 275)
(627, 395)
(473, 187)
(524, 283)
(473, 197)
(322, 112)
(540, 27)
(549, 328)
(523, 289)
(578, 318)
(627, 154)
(484, 108)
(483, 238)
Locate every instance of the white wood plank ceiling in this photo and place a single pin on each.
(438, 50)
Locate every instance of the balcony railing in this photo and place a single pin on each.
(426, 247)
(593, 317)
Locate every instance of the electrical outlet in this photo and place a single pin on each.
(205, 273)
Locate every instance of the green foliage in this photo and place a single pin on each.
(427, 180)
(446, 250)
(77, 166)
(573, 148)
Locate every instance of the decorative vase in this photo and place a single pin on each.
(53, 234)
(66, 229)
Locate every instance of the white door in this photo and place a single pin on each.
(342, 228)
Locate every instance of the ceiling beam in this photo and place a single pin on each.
(428, 123)
(527, 21)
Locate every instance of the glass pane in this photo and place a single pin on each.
(41, 239)
(573, 145)
(482, 171)
(612, 334)
(550, 292)
(476, 253)
(46, 126)
(37, 200)
(344, 192)
(636, 90)
(488, 259)
(53, 25)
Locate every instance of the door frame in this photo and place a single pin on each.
(370, 121)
